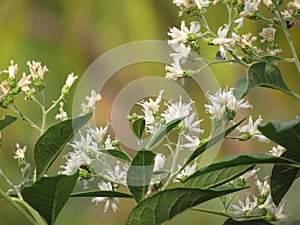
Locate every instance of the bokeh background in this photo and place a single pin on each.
(68, 36)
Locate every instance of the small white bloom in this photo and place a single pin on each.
(202, 3)
(267, 2)
(151, 104)
(118, 174)
(267, 203)
(92, 100)
(174, 72)
(24, 82)
(75, 159)
(181, 53)
(36, 69)
(244, 208)
(263, 186)
(222, 40)
(268, 34)
(12, 70)
(193, 142)
(4, 87)
(186, 172)
(277, 212)
(251, 130)
(98, 133)
(250, 6)
(85, 144)
(62, 114)
(159, 161)
(20, 153)
(109, 201)
(276, 151)
(70, 80)
(294, 5)
(183, 5)
(249, 174)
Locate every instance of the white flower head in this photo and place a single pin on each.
(12, 70)
(267, 34)
(181, 53)
(263, 186)
(249, 174)
(62, 114)
(222, 40)
(193, 142)
(250, 130)
(24, 82)
(4, 87)
(250, 6)
(98, 133)
(36, 69)
(20, 153)
(118, 174)
(174, 72)
(85, 144)
(244, 207)
(202, 3)
(278, 212)
(183, 5)
(151, 104)
(70, 80)
(109, 201)
(276, 151)
(186, 172)
(92, 100)
(159, 161)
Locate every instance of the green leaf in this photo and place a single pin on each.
(117, 154)
(138, 127)
(51, 143)
(162, 132)
(270, 58)
(166, 204)
(7, 120)
(247, 222)
(140, 173)
(261, 74)
(295, 222)
(211, 143)
(101, 194)
(229, 168)
(287, 135)
(48, 195)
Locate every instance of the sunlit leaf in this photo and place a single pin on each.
(48, 195)
(51, 143)
(164, 205)
(140, 173)
(101, 194)
(261, 74)
(138, 127)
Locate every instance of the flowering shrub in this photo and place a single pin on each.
(164, 184)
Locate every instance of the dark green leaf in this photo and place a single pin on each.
(51, 143)
(230, 168)
(210, 143)
(166, 204)
(162, 132)
(101, 194)
(140, 173)
(285, 134)
(118, 154)
(49, 194)
(138, 127)
(247, 222)
(7, 120)
(261, 74)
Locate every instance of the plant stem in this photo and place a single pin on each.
(54, 104)
(44, 116)
(11, 184)
(288, 36)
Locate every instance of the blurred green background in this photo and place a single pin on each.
(68, 36)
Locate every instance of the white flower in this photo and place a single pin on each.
(181, 36)
(109, 201)
(222, 40)
(20, 153)
(277, 212)
(223, 101)
(36, 69)
(249, 174)
(62, 114)
(267, 203)
(250, 6)
(92, 100)
(250, 130)
(151, 104)
(75, 159)
(268, 34)
(202, 3)
(118, 174)
(183, 5)
(4, 87)
(193, 142)
(174, 72)
(98, 133)
(244, 208)
(12, 70)
(294, 5)
(263, 186)
(85, 144)
(24, 82)
(159, 161)
(70, 80)
(181, 53)
(276, 151)
(186, 172)
(267, 2)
